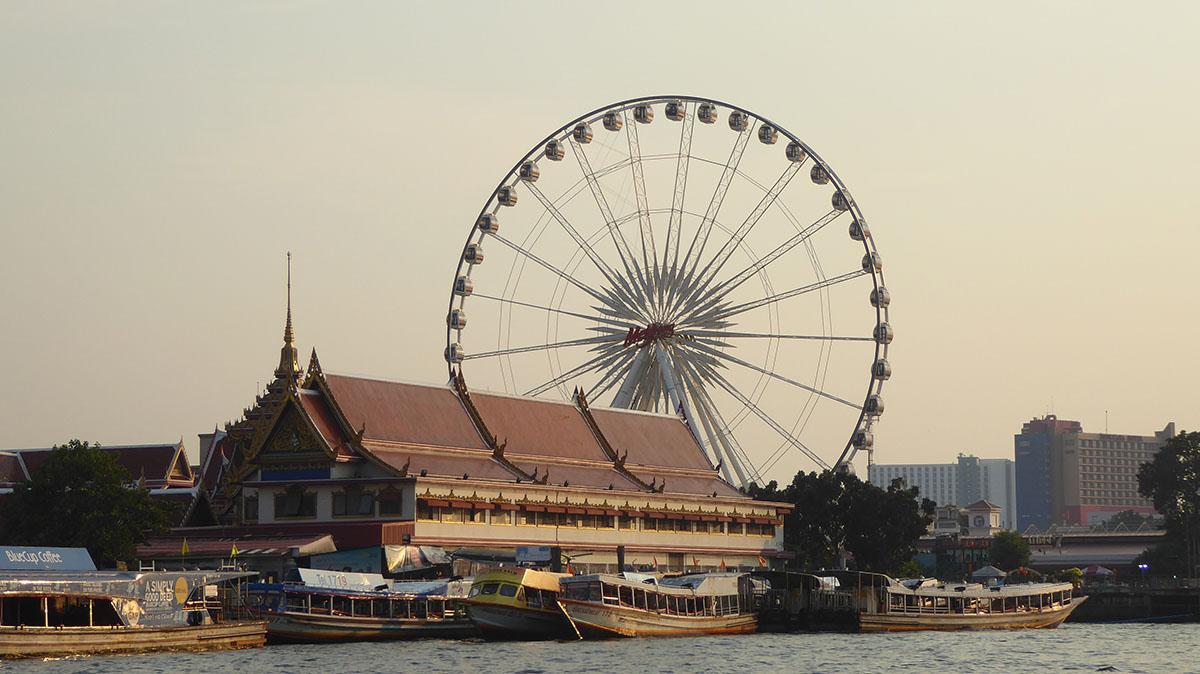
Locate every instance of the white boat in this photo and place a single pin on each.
(604, 606)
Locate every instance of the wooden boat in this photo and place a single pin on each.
(50, 613)
(602, 606)
(885, 604)
(518, 603)
(326, 606)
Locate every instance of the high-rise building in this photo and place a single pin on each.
(1067, 476)
(966, 481)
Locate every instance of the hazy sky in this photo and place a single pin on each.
(1028, 169)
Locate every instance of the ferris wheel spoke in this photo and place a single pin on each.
(722, 289)
(675, 226)
(722, 444)
(692, 258)
(766, 418)
(564, 312)
(728, 312)
(721, 335)
(628, 261)
(738, 361)
(572, 232)
(727, 249)
(541, 347)
(601, 361)
(552, 269)
(649, 255)
(611, 377)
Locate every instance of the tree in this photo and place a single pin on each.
(1172, 482)
(1009, 550)
(81, 497)
(836, 512)
(1127, 518)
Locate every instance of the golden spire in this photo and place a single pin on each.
(289, 363)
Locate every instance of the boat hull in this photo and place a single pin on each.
(503, 622)
(308, 628)
(50, 642)
(596, 621)
(899, 622)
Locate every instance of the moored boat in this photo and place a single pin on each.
(518, 603)
(885, 604)
(52, 610)
(320, 606)
(603, 606)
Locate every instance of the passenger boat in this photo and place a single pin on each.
(324, 606)
(53, 613)
(602, 606)
(519, 603)
(885, 604)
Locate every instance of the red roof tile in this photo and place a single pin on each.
(538, 427)
(10, 470)
(575, 475)
(688, 484)
(322, 417)
(651, 439)
(478, 465)
(405, 413)
(153, 461)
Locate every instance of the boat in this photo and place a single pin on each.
(519, 603)
(885, 604)
(631, 605)
(326, 606)
(56, 609)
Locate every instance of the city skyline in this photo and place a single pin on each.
(1026, 186)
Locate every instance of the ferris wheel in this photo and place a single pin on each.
(681, 255)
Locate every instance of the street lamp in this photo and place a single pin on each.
(1143, 567)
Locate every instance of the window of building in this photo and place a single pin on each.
(295, 502)
(390, 502)
(353, 501)
(626, 522)
(250, 507)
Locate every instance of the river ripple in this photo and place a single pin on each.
(1073, 647)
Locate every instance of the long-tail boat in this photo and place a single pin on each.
(603, 606)
(519, 603)
(49, 609)
(324, 606)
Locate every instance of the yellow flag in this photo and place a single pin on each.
(183, 549)
(233, 552)
(762, 561)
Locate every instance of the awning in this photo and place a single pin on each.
(434, 503)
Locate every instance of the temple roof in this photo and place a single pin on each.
(161, 465)
(404, 413)
(651, 439)
(529, 426)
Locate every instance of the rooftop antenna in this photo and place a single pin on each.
(1106, 421)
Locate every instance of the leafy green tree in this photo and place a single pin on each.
(836, 512)
(1009, 550)
(81, 497)
(910, 569)
(1172, 482)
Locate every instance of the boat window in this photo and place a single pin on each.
(379, 608)
(507, 590)
(436, 608)
(594, 592)
(420, 610)
(321, 603)
(489, 588)
(341, 606)
(399, 608)
(362, 607)
(296, 602)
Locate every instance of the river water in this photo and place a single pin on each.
(1072, 647)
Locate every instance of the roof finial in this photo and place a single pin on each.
(287, 330)
(289, 364)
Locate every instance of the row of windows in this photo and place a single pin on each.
(1117, 444)
(538, 518)
(296, 502)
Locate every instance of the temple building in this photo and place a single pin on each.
(374, 463)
